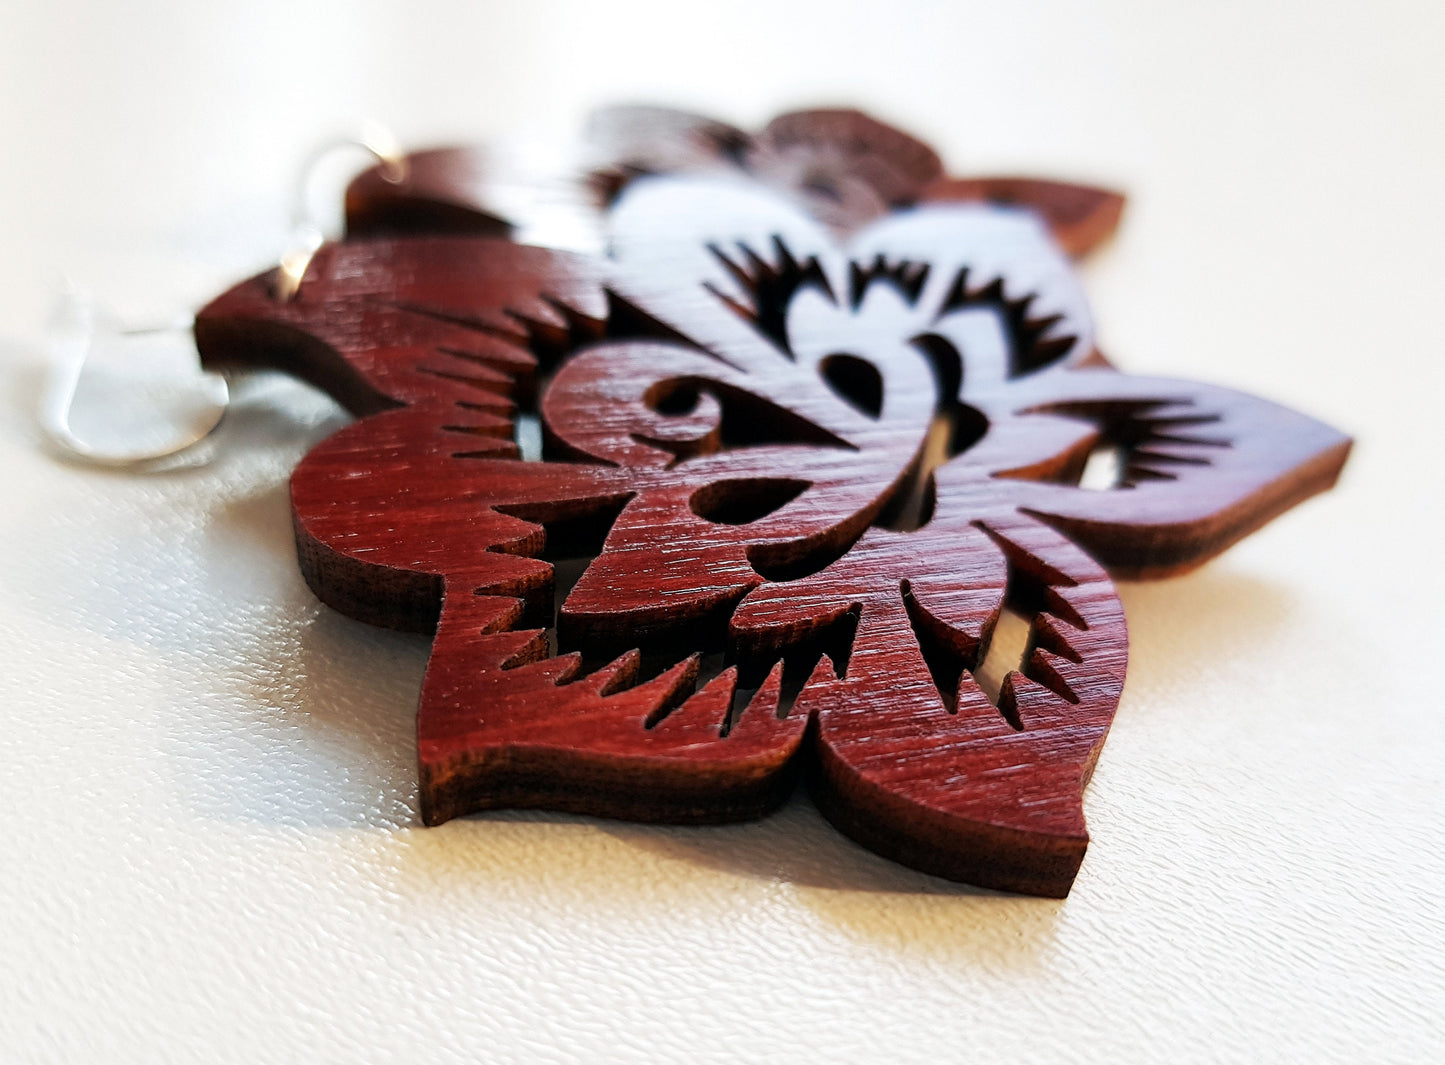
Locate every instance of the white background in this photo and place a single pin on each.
(211, 849)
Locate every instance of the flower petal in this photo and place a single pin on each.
(1081, 217)
(914, 759)
(1203, 466)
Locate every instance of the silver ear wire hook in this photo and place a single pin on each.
(78, 327)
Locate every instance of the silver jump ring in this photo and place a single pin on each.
(306, 231)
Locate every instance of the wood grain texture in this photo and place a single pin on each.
(795, 480)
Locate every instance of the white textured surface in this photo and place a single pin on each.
(211, 849)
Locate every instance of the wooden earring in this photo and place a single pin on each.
(758, 489)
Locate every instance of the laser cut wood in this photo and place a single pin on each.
(805, 468)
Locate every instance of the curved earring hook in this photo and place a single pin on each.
(75, 331)
(78, 325)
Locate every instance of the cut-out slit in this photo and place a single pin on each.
(527, 433)
(1104, 468)
(955, 429)
(627, 321)
(1138, 443)
(578, 533)
(748, 420)
(767, 288)
(1008, 650)
(906, 276)
(1004, 649)
(856, 381)
(1032, 340)
(744, 500)
(1034, 615)
(677, 401)
(833, 640)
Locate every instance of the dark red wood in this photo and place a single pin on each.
(1080, 217)
(845, 168)
(803, 480)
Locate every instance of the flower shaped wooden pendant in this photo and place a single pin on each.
(810, 427)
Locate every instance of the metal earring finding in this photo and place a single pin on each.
(142, 389)
(307, 232)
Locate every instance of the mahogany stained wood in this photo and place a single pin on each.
(843, 167)
(804, 475)
(1080, 217)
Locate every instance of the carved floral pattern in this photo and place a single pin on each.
(809, 467)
